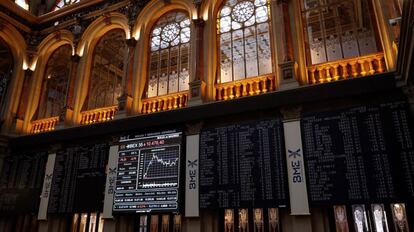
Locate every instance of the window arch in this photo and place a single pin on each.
(55, 84)
(338, 29)
(243, 35)
(169, 55)
(107, 70)
(6, 71)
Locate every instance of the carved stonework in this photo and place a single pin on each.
(34, 39)
(194, 128)
(291, 112)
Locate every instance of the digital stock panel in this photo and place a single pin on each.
(361, 160)
(148, 172)
(243, 165)
(21, 182)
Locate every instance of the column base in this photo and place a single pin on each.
(197, 90)
(288, 75)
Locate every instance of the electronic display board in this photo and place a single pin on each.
(361, 154)
(243, 165)
(78, 183)
(21, 181)
(148, 173)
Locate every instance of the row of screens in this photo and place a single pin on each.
(365, 154)
(358, 218)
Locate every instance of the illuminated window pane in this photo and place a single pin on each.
(170, 53)
(62, 3)
(107, 70)
(23, 4)
(339, 30)
(244, 39)
(56, 80)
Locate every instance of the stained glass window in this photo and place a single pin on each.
(243, 29)
(23, 4)
(338, 29)
(169, 55)
(107, 70)
(55, 83)
(62, 3)
(6, 71)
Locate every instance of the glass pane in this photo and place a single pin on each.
(177, 223)
(226, 72)
(107, 70)
(228, 220)
(173, 29)
(184, 67)
(273, 214)
(251, 52)
(379, 218)
(163, 79)
(238, 55)
(56, 81)
(341, 220)
(264, 52)
(258, 220)
(154, 223)
(143, 223)
(399, 217)
(338, 29)
(360, 218)
(153, 74)
(243, 220)
(173, 78)
(165, 226)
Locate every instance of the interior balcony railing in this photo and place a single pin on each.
(347, 68)
(98, 115)
(165, 102)
(246, 87)
(44, 125)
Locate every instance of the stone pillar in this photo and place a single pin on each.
(125, 100)
(24, 98)
(288, 67)
(66, 115)
(197, 83)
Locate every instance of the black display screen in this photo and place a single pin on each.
(78, 183)
(242, 165)
(21, 182)
(363, 154)
(148, 173)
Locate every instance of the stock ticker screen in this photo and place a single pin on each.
(148, 173)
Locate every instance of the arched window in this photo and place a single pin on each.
(338, 29)
(107, 70)
(243, 35)
(6, 71)
(55, 83)
(169, 55)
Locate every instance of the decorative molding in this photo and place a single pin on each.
(194, 128)
(291, 113)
